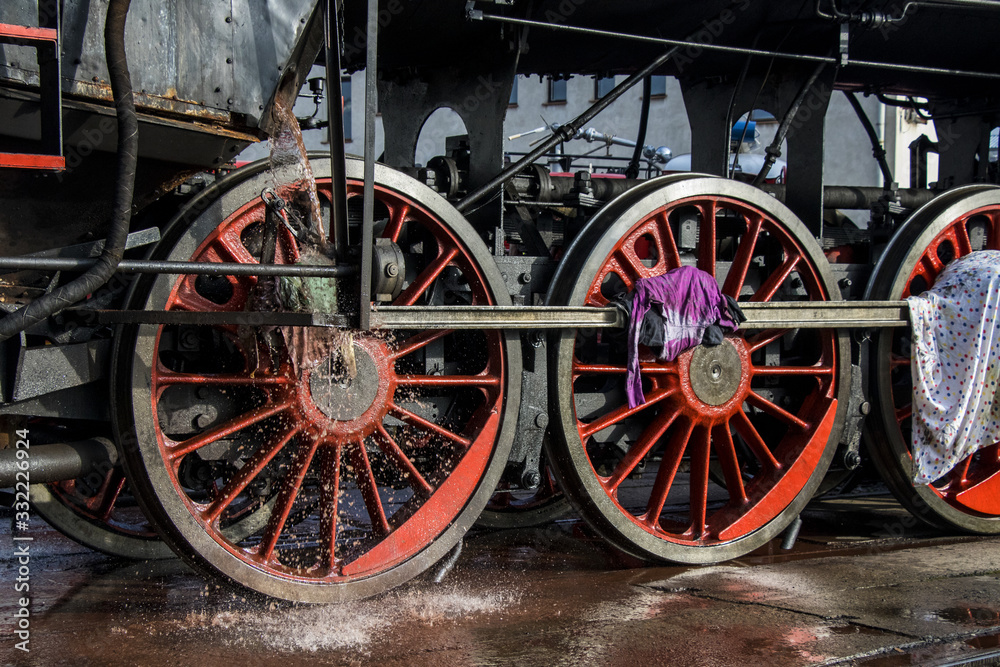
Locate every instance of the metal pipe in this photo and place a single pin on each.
(859, 198)
(368, 197)
(774, 150)
(178, 268)
(632, 171)
(564, 132)
(128, 151)
(735, 49)
(878, 151)
(57, 462)
(335, 131)
(605, 189)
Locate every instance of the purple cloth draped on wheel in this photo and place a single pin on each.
(689, 301)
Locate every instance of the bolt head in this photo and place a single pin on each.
(531, 479)
(541, 420)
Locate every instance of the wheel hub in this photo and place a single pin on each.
(340, 396)
(716, 373)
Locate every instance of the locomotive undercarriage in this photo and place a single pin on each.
(302, 456)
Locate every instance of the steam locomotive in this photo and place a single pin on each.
(310, 376)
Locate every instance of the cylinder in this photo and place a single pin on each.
(57, 462)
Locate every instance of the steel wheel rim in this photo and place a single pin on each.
(911, 263)
(411, 533)
(710, 535)
(526, 509)
(99, 521)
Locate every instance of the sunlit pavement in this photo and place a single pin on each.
(863, 585)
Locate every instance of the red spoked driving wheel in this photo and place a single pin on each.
(953, 225)
(317, 465)
(99, 512)
(732, 440)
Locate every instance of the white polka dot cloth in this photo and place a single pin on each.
(955, 363)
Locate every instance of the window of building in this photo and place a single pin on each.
(557, 91)
(603, 86)
(513, 94)
(345, 88)
(658, 86)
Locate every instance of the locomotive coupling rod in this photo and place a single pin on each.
(787, 315)
(181, 268)
(58, 461)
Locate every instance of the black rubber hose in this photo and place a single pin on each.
(774, 150)
(877, 150)
(128, 147)
(632, 171)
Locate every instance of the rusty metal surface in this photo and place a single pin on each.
(203, 59)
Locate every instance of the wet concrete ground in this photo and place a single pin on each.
(863, 585)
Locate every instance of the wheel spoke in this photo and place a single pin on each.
(666, 245)
(763, 339)
(167, 377)
(181, 449)
(958, 477)
(640, 448)
(113, 486)
(793, 371)
(391, 449)
(962, 242)
(758, 401)
(414, 343)
(286, 498)
(743, 425)
(725, 451)
(448, 381)
(671, 462)
(646, 368)
(229, 243)
(369, 488)
(416, 420)
(700, 451)
(767, 291)
(329, 493)
(249, 472)
(622, 412)
(396, 220)
(426, 277)
(898, 361)
(744, 256)
(630, 262)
